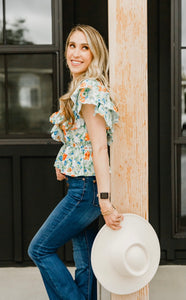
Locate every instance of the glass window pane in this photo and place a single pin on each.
(29, 93)
(1, 22)
(183, 23)
(183, 94)
(28, 22)
(2, 96)
(183, 186)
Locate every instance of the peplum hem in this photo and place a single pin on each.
(75, 161)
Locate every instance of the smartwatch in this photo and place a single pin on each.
(104, 195)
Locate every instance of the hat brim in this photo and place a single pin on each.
(134, 228)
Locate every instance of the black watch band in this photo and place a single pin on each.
(104, 195)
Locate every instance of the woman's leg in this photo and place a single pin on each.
(84, 276)
(69, 218)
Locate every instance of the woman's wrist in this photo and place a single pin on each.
(107, 210)
(105, 205)
(104, 196)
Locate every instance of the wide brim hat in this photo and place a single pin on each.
(125, 260)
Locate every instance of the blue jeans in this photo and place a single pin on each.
(76, 218)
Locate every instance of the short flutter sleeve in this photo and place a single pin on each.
(91, 91)
(56, 132)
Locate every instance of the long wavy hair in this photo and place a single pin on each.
(98, 68)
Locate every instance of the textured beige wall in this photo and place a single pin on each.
(128, 78)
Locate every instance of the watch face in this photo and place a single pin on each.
(104, 195)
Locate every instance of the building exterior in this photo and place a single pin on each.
(32, 77)
(167, 126)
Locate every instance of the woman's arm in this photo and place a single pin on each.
(97, 132)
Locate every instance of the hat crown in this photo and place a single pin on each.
(130, 260)
(136, 260)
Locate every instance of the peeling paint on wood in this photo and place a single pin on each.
(128, 79)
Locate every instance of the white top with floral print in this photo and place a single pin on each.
(75, 156)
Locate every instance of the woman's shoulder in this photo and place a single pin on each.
(93, 84)
(90, 90)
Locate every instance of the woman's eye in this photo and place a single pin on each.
(71, 45)
(85, 47)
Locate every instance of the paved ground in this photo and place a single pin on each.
(26, 284)
(22, 284)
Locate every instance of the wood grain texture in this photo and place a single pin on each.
(128, 79)
(143, 294)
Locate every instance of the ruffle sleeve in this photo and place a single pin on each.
(56, 132)
(91, 91)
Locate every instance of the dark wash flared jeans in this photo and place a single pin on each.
(76, 218)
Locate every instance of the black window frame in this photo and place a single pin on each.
(55, 49)
(177, 140)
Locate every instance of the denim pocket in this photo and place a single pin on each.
(95, 192)
(76, 189)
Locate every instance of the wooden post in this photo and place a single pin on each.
(128, 79)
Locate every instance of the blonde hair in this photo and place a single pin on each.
(98, 68)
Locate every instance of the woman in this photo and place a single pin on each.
(84, 124)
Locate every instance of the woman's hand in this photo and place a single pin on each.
(110, 214)
(59, 175)
(113, 220)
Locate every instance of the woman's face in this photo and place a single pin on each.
(78, 54)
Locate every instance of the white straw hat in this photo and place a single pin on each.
(124, 261)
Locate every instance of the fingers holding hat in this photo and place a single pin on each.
(113, 220)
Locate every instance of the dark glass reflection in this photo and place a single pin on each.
(183, 23)
(29, 93)
(183, 185)
(183, 94)
(1, 22)
(2, 96)
(28, 22)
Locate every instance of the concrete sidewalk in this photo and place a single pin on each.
(22, 284)
(26, 284)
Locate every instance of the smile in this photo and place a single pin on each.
(76, 63)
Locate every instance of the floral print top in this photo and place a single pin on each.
(75, 156)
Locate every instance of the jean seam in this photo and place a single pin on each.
(89, 265)
(82, 192)
(94, 199)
